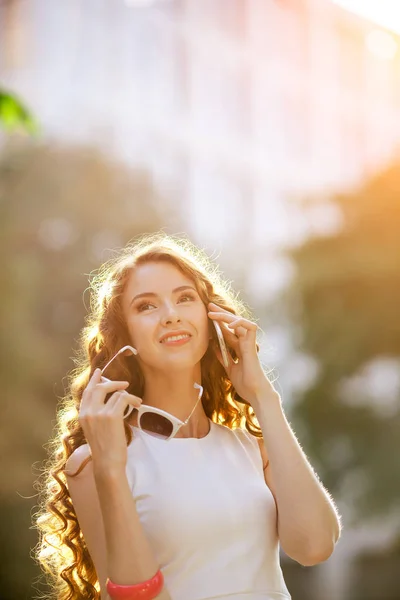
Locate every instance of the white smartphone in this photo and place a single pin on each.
(222, 345)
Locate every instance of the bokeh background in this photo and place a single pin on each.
(267, 131)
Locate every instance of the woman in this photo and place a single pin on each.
(175, 474)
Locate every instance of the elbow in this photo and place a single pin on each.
(318, 554)
(311, 550)
(325, 551)
(314, 558)
(309, 555)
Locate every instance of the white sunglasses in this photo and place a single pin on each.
(154, 421)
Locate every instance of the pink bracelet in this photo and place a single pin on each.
(147, 590)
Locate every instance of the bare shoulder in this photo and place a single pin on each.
(79, 458)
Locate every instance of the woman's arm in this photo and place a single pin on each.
(126, 552)
(130, 558)
(308, 522)
(121, 514)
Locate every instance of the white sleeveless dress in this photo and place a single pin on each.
(208, 514)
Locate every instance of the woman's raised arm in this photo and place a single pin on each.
(126, 549)
(125, 555)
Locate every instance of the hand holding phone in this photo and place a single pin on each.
(225, 359)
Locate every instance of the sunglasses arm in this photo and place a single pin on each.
(199, 387)
(132, 351)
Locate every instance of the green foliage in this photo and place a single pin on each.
(345, 301)
(14, 115)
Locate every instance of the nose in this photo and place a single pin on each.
(170, 316)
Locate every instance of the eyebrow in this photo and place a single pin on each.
(154, 295)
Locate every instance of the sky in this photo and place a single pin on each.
(383, 12)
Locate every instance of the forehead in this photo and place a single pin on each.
(156, 277)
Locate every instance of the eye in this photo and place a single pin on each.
(187, 297)
(144, 306)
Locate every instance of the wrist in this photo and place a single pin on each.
(145, 590)
(108, 473)
(266, 394)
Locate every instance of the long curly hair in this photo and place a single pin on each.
(61, 552)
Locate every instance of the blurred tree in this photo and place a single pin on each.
(375, 574)
(344, 301)
(61, 212)
(14, 115)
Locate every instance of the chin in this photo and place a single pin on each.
(181, 361)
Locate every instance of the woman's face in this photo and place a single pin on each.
(166, 318)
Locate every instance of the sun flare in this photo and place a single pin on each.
(385, 13)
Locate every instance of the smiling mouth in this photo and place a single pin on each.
(176, 338)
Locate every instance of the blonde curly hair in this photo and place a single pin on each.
(61, 552)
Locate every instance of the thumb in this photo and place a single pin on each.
(94, 378)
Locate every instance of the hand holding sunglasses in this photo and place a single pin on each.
(102, 420)
(154, 421)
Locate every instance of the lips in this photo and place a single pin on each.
(174, 334)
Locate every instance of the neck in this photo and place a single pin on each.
(176, 394)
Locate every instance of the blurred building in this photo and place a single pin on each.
(234, 105)
(237, 107)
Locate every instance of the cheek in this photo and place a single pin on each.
(204, 326)
(140, 330)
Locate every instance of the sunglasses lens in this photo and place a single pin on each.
(156, 425)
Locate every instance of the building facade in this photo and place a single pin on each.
(234, 105)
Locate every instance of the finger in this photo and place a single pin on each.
(245, 329)
(89, 389)
(108, 403)
(94, 379)
(218, 308)
(230, 318)
(239, 325)
(134, 401)
(231, 338)
(219, 313)
(243, 323)
(122, 402)
(94, 396)
(241, 332)
(222, 316)
(106, 386)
